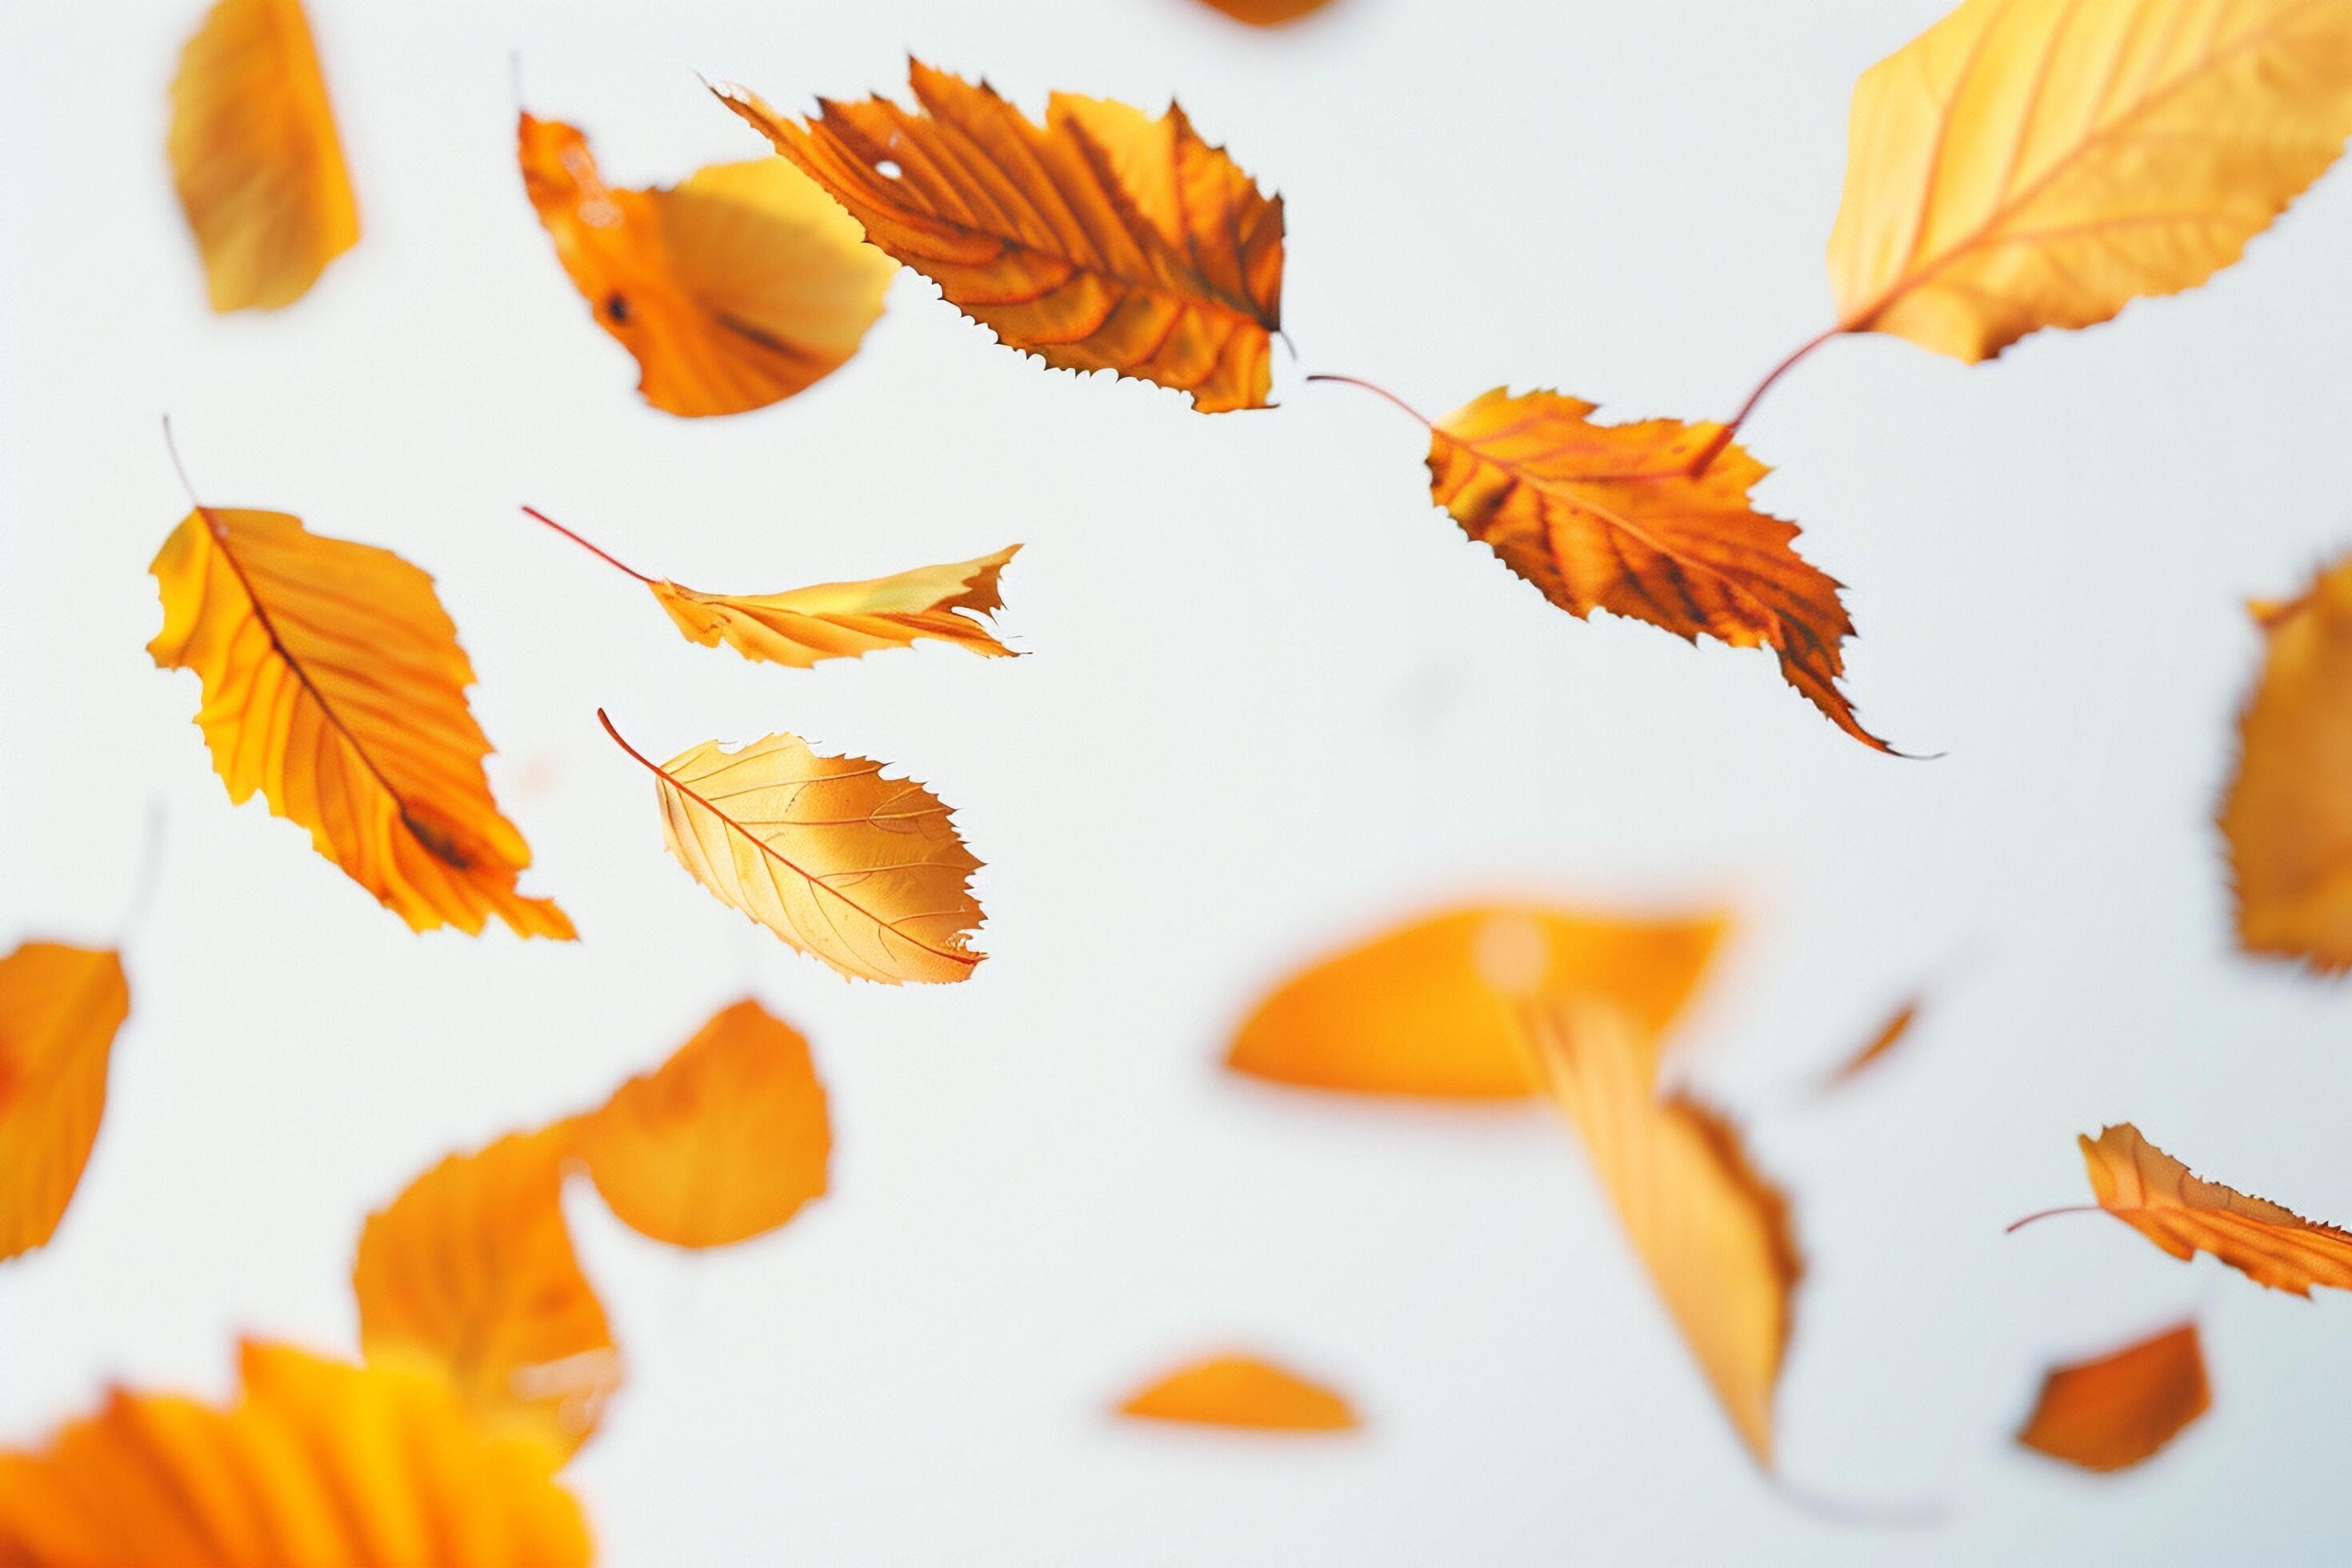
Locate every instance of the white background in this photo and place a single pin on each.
(1274, 701)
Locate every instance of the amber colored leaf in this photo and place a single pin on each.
(2287, 815)
(1611, 517)
(471, 1269)
(317, 1462)
(255, 158)
(729, 1139)
(865, 873)
(2116, 1410)
(1241, 1391)
(1713, 1233)
(60, 1008)
(734, 290)
(2030, 163)
(1431, 1007)
(2154, 1193)
(1889, 1035)
(1100, 240)
(333, 684)
(1269, 13)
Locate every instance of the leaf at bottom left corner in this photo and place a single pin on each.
(317, 1462)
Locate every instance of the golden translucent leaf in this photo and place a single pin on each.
(59, 1009)
(471, 1269)
(734, 290)
(334, 685)
(2030, 163)
(1101, 240)
(2154, 1193)
(1713, 1234)
(2288, 813)
(1241, 1391)
(1431, 1007)
(317, 1462)
(254, 156)
(1609, 517)
(847, 620)
(864, 872)
(729, 1139)
(2112, 1412)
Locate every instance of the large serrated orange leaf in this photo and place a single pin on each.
(735, 290)
(60, 1008)
(317, 1462)
(2288, 812)
(255, 157)
(471, 1269)
(865, 873)
(2114, 1411)
(726, 1140)
(333, 684)
(1613, 517)
(2154, 1193)
(1431, 1007)
(2030, 163)
(1241, 1391)
(1713, 1233)
(1100, 240)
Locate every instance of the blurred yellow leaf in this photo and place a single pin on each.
(1241, 1391)
(60, 1008)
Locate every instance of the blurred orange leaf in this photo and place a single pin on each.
(1241, 1391)
(317, 1462)
(1431, 1008)
(734, 290)
(333, 684)
(865, 873)
(1269, 13)
(60, 1008)
(2116, 1410)
(729, 1139)
(254, 156)
(471, 1269)
(1889, 1035)
(1100, 240)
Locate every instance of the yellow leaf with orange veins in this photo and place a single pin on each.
(254, 156)
(726, 1140)
(1241, 1391)
(2154, 1194)
(471, 1269)
(847, 620)
(2114, 1411)
(60, 1008)
(1431, 1008)
(334, 685)
(316, 1462)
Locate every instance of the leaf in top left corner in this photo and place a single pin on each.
(60, 1008)
(334, 685)
(255, 158)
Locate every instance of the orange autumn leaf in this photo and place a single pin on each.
(834, 620)
(60, 1008)
(333, 684)
(735, 290)
(472, 1270)
(865, 873)
(1100, 240)
(728, 1140)
(2287, 817)
(317, 1462)
(1267, 12)
(1431, 1008)
(1888, 1035)
(255, 158)
(1613, 517)
(1713, 1233)
(2030, 163)
(1241, 1391)
(2154, 1193)
(2116, 1410)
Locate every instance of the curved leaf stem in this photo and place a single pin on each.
(593, 550)
(2048, 1214)
(1377, 391)
(1714, 449)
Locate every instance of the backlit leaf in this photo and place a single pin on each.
(2154, 1193)
(1241, 1391)
(2116, 1410)
(60, 1008)
(1100, 240)
(333, 684)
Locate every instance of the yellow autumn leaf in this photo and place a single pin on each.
(2030, 163)
(333, 684)
(60, 1008)
(865, 873)
(726, 1140)
(255, 157)
(1241, 1391)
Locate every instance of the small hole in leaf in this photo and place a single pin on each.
(887, 169)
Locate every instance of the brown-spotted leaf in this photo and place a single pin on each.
(60, 1008)
(2114, 1411)
(2154, 1193)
